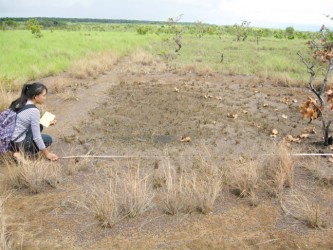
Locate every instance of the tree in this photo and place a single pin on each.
(290, 32)
(220, 31)
(258, 33)
(201, 29)
(242, 31)
(33, 25)
(176, 31)
(142, 30)
(320, 106)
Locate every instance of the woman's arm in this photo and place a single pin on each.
(37, 137)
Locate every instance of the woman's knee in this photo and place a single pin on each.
(47, 140)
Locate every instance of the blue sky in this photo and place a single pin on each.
(301, 14)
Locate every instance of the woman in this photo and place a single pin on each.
(27, 134)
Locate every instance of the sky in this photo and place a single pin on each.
(300, 14)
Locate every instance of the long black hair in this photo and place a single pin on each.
(29, 91)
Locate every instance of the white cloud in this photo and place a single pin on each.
(261, 13)
(78, 3)
(282, 11)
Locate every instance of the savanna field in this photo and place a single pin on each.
(195, 149)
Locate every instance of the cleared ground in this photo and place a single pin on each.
(143, 110)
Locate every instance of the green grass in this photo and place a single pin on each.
(24, 57)
(270, 58)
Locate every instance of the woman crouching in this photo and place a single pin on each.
(27, 133)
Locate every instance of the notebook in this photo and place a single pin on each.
(46, 119)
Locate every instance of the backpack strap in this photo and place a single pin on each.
(25, 107)
(28, 106)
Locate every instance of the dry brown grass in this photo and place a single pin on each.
(76, 165)
(33, 174)
(9, 239)
(137, 193)
(301, 208)
(244, 178)
(197, 68)
(6, 98)
(93, 65)
(278, 170)
(271, 172)
(321, 172)
(59, 85)
(4, 234)
(103, 202)
(126, 195)
(68, 95)
(141, 57)
(283, 79)
(190, 190)
(173, 189)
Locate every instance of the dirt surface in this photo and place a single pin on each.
(143, 110)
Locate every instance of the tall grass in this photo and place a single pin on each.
(120, 198)
(5, 242)
(191, 189)
(271, 58)
(32, 174)
(23, 57)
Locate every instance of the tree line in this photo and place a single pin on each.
(241, 31)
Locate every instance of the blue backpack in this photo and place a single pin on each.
(7, 126)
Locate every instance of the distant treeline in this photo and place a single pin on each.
(241, 31)
(58, 21)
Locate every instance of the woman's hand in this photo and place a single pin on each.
(52, 157)
(54, 122)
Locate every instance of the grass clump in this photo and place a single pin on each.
(309, 212)
(6, 242)
(5, 99)
(103, 203)
(278, 170)
(191, 190)
(141, 57)
(126, 196)
(32, 174)
(244, 179)
(93, 65)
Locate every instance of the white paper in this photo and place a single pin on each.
(46, 119)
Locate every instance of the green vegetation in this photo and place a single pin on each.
(35, 27)
(273, 58)
(23, 58)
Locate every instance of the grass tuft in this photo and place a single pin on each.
(244, 179)
(5, 239)
(191, 190)
(93, 65)
(122, 197)
(309, 212)
(278, 170)
(141, 57)
(34, 174)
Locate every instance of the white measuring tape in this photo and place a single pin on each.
(133, 156)
(107, 156)
(311, 154)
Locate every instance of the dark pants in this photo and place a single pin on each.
(28, 145)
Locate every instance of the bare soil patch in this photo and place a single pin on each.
(143, 110)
